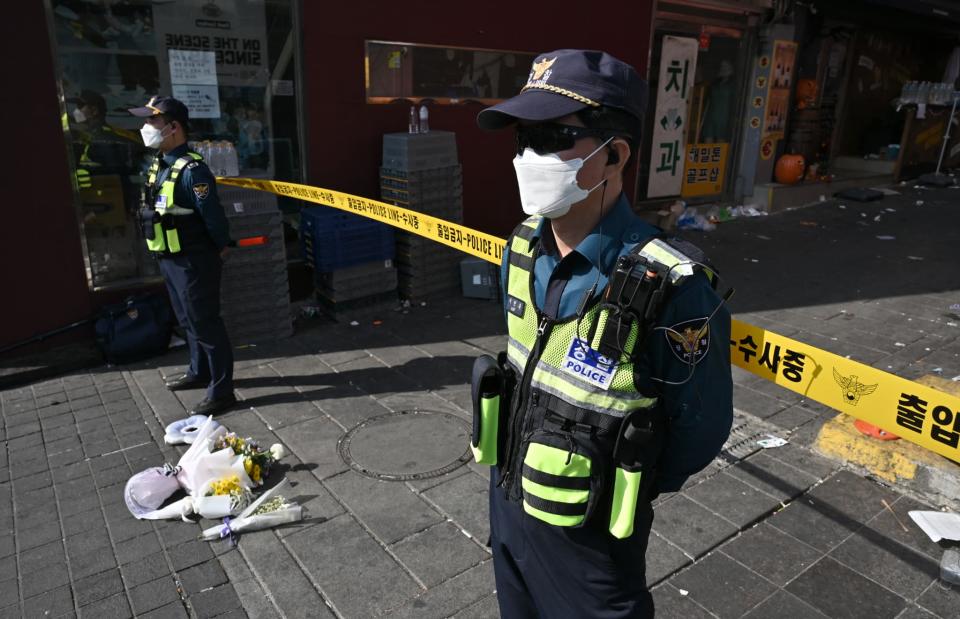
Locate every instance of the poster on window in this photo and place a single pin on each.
(233, 30)
(193, 77)
(778, 97)
(678, 63)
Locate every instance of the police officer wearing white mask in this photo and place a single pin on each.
(616, 383)
(186, 229)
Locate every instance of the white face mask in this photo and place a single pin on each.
(548, 184)
(79, 116)
(152, 137)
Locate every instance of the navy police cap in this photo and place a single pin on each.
(163, 105)
(569, 80)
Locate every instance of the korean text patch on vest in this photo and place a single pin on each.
(515, 306)
(660, 251)
(689, 340)
(587, 364)
(161, 203)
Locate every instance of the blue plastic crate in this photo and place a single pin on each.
(332, 239)
(320, 217)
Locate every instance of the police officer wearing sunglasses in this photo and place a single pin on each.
(615, 385)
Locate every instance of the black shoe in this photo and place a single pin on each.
(207, 406)
(184, 381)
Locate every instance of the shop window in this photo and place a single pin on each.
(232, 63)
(443, 74)
(693, 120)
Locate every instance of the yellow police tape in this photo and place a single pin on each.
(474, 242)
(915, 412)
(918, 413)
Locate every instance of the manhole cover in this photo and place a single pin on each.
(407, 445)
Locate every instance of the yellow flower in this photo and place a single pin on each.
(247, 465)
(256, 473)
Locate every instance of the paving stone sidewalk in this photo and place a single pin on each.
(771, 533)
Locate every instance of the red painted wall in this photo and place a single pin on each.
(344, 133)
(42, 281)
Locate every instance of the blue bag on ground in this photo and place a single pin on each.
(136, 329)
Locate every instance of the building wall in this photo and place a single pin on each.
(42, 277)
(344, 133)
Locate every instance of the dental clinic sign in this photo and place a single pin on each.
(678, 64)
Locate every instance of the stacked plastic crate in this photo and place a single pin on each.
(255, 291)
(420, 172)
(351, 258)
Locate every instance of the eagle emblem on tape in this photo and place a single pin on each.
(539, 68)
(852, 388)
(202, 190)
(689, 340)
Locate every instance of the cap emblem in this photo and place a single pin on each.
(540, 68)
(150, 106)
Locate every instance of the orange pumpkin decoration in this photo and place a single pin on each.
(790, 169)
(806, 93)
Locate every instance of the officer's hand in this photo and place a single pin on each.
(224, 252)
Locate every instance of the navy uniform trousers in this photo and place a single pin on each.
(193, 280)
(549, 572)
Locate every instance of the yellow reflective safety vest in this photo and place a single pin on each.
(607, 398)
(161, 214)
(569, 407)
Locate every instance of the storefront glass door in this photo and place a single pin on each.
(232, 63)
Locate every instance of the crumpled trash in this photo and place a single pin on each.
(771, 442)
(747, 210)
(691, 219)
(718, 214)
(311, 311)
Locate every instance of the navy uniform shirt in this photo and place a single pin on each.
(197, 189)
(700, 410)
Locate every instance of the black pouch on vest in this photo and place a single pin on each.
(148, 218)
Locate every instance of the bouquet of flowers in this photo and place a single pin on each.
(217, 473)
(256, 460)
(222, 497)
(270, 510)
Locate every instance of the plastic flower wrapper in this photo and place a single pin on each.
(205, 461)
(146, 491)
(222, 497)
(256, 460)
(275, 511)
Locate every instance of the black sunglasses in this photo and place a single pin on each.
(545, 138)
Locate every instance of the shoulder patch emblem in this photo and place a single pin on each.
(689, 340)
(202, 190)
